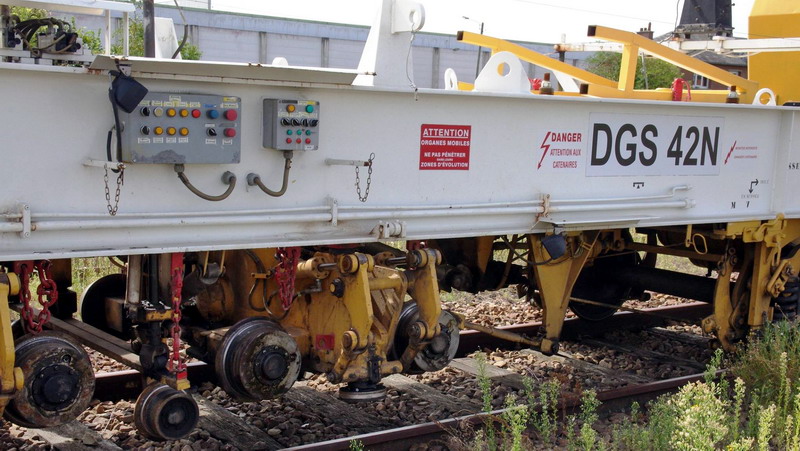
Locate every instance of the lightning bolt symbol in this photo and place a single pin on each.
(730, 152)
(545, 147)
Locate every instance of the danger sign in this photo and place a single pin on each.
(444, 147)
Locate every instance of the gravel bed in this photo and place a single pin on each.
(292, 424)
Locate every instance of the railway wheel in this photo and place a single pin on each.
(93, 305)
(163, 413)
(59, 381)
(257, 360)
(596, 283)
(439, 352)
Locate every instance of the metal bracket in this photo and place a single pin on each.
(334, 212)
(104, 164)
(390, 229)
(25, 211)
(407, 16)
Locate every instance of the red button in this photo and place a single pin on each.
(288, 140)
(230, 132)
(195, 113)
(231, 115)
(298, 141)
(308, 140)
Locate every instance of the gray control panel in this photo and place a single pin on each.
(171, 128)
(291, 124)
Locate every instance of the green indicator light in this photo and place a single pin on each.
(309, 108)
(308, 132)
(288, 132)
(299, 132)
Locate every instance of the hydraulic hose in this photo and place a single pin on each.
(228, 178)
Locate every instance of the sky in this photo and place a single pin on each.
(525, 20)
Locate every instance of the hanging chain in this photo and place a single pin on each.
(369, 179)
(47, 294)
(176, 364)
(120, 181)
(285, 274)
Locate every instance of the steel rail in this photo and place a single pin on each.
(127, 384)
(401, 438)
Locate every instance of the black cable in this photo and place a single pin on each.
(183, 41)
(117, 125)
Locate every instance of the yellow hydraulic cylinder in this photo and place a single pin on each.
(10, 377)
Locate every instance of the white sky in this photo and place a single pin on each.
(527, 20)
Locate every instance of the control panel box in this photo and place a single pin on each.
(291, 124)
(169, 128)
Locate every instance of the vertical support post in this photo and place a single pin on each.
(11, 378)
(148, 10)
(436, 76)
(720, 322)
(425, 290)
(555, 281)
(627, 70)
(107, 33)
(126, 35)
(763, 261)
(262, 47)
(325, 52)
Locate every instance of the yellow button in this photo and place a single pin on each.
(171, 131)
(158, 130)
(184, 113)
(171, 112)
(158, 112)
(290, 108)
(184, 131)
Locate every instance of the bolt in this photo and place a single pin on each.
(337, 288)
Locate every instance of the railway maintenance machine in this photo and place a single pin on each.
(252, 207)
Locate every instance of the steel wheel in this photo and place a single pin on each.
(163, 413)
(59, 381)
(257, 360)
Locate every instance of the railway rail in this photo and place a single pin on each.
(219, 422)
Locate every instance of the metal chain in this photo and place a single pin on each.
(47, 294)
(285, 274)
(120, 181)
(369, 179)
(176, 364)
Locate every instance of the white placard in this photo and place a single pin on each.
(630, 144)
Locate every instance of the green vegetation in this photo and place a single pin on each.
(755, 405)
(656, 74)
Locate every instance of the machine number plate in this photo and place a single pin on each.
(629, 144)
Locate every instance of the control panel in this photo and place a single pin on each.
(171, 128)
(291, 124)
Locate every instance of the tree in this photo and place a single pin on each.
(659, 73)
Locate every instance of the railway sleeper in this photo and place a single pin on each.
(358, 314)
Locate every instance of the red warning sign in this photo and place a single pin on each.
(444, 147)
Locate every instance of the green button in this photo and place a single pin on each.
(288, 132)
(308, 132)
(299, 132)
(309, 108)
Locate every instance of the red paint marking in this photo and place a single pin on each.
(730, 152)
(545, 147)
(324, 342)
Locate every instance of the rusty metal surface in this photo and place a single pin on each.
(127, 384)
